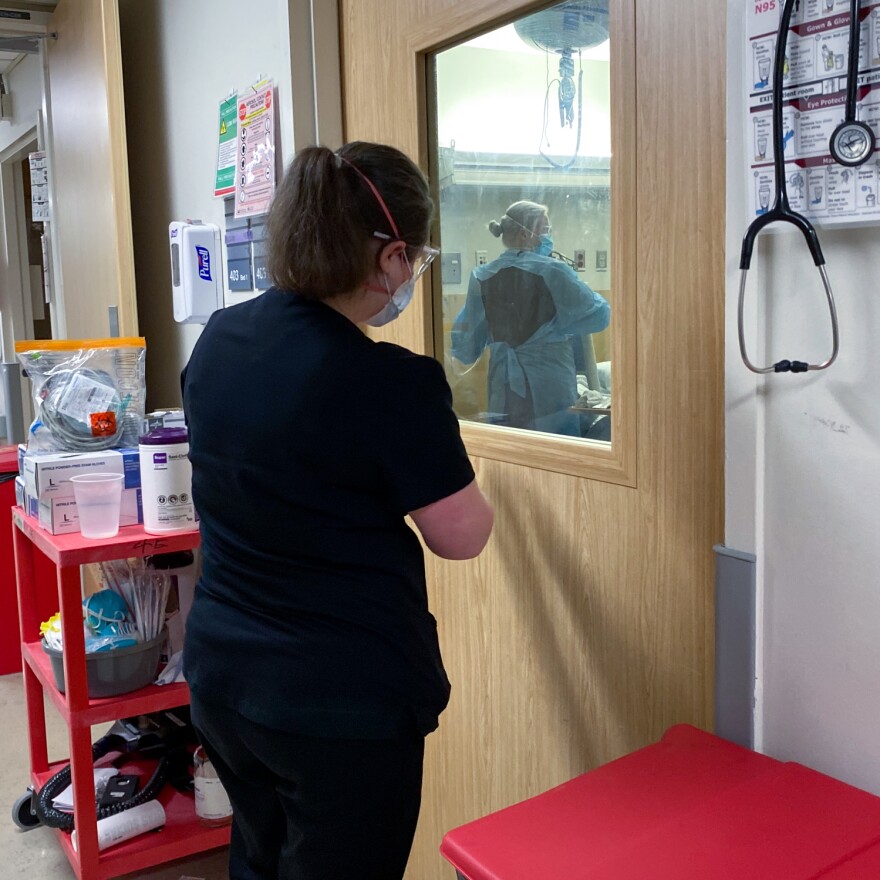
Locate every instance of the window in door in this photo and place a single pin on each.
(521, 140)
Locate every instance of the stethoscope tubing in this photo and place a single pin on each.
(786, 366)
(852, 70)
(781, 212)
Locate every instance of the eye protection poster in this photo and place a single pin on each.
(813, 105)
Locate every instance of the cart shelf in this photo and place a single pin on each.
(74, 549)
(182, 834)
(153, 698)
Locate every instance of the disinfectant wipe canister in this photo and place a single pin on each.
(166, 481)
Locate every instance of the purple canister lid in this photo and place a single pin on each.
(164, 436)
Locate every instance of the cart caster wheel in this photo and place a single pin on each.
(22, 814)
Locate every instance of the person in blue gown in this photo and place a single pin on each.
(526, 307)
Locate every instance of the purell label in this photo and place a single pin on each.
(204, 258)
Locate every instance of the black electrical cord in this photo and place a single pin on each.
(163, 735)
(49, 816)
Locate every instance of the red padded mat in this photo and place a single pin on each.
(691, 807)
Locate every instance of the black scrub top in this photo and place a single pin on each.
(309, 444)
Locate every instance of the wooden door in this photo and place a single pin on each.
(91, 210)
(586, 627)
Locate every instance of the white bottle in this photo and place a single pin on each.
(212, 803)
(166, 481)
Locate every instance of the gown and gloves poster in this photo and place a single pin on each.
(813, 102)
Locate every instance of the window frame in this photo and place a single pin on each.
(615, 462)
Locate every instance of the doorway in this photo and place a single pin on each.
(36, 249)
(24, 310)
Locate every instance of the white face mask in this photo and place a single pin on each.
(397, 301)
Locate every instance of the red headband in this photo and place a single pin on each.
(379, 198)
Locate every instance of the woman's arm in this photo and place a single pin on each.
(579, 308)
(458, 526)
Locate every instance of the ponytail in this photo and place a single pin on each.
(317, 244)
(324, 214)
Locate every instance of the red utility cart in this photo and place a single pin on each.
(182, 834)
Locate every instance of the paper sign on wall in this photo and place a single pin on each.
(255, 155)
(814, 99)
(224, 180)
(39, 187)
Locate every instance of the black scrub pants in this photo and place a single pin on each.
(309, 808)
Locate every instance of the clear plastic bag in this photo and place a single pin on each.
(89, 394)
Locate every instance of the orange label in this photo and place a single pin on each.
(103, 424)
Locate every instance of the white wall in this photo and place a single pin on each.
(803, 480)
(180, 60)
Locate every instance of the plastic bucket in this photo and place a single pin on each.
(119, 671)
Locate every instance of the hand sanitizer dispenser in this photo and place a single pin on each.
(196, 279)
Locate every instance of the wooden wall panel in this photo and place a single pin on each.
(585, 628)
(91, 211)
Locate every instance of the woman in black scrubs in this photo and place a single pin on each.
(311, 655)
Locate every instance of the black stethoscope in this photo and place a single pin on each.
(851, 144)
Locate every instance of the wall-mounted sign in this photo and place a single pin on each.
(814, 73)
(224, 181)
(39, 187)
(255, 154)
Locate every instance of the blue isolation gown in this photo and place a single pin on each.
(526, 308)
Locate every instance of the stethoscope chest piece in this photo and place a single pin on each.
(852, 143)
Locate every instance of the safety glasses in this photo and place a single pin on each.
(425, 255)
(423, 260)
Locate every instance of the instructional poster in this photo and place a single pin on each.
(227, 144)
(814, 102)
(39, 187)
(255, 174)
